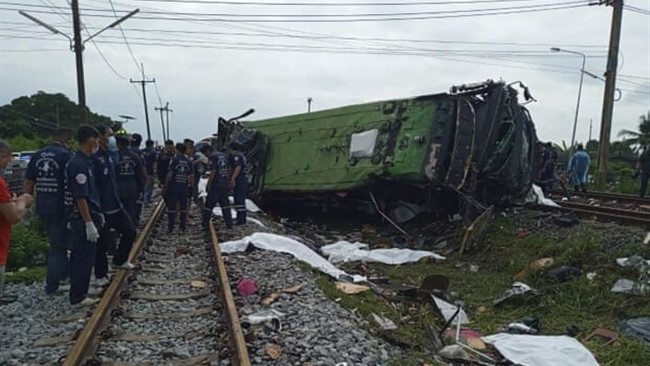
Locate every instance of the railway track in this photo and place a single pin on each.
(603, 213)
(177, 309)
(619, 197)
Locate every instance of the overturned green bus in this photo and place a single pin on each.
(477, 141)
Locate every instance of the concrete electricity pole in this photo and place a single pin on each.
(167, 110)
(610, 89)
(77, 45)
(162, 122)
(143, 82)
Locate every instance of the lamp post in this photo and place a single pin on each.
(582, 69)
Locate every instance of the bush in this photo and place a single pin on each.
(28, 246)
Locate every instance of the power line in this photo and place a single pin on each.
(176, 16)
(636, 10)
(337, 4)
(124, 37)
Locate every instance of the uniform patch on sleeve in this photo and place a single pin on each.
(81, 178)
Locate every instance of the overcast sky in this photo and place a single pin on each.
(205, 73)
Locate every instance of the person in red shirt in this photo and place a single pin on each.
(12, 209)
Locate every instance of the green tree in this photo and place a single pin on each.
(638, 140)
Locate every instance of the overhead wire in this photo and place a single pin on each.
(335, 4)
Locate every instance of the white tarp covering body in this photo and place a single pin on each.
(362, 144)
(535, 350)
(344, 251)
(277, 243)
(536, 195)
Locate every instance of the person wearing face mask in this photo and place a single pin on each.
(82, 208)
(114, 213)
(46, 174)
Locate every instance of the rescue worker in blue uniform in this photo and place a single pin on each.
(150, 157)
(112, 208)
(82, 207)
(217, 188)
(130, 177)
(136, 141)
(238, 181)
(177, 187)
(46, 173)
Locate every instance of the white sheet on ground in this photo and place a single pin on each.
(344, 251)
(278, 243)
(217, 212)
(536, 350)
(541, 199)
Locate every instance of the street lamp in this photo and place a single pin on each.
(575, 121)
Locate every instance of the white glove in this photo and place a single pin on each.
(91, 232)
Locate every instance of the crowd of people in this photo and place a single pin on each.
(85, 199)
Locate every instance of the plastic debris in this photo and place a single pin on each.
(630, 287)
(592, 276)
(564, 273)
(637, 328)
(633, 261)
(454, 352)
(247, 287)
(351, 288)
(449, 311)
(539, 198)
(470, 337)
(383, 322)
(537, 350)
(528, 325)
(271, 317)
(517, 290)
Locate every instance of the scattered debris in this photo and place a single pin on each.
(292, 289)
(273, 350)
(268, 300)
(633, 261)
(537, 350)
(470, 337)
(270, 317)
(351, 288)
(198, 284)
(449, 311)
(610, 336)
(518, 290)
(564, 273)
(455, 352)
(383, 322)
(625, 286)
(592, 276)
(637, 328)
(247, 287)
(533, 267)
(528, 325)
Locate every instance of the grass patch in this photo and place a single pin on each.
(579, 302)
(31, 275)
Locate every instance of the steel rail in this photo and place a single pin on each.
(607, 195)
(87, 342)
(240, 355)
(625, 217)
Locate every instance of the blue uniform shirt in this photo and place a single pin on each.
(47, 170)
(128, 174)
(80, 183)
(181, 169)
(105, 181)
(238, 159)
(219, 164)
(150, 156)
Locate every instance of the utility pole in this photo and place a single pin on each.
(77, 45)
(309, 100)
(167, 110)
(591, 125)
(78, 54)
(610, 89)
(162, 122)
(143, 82)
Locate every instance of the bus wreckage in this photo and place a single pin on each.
(448, 153)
